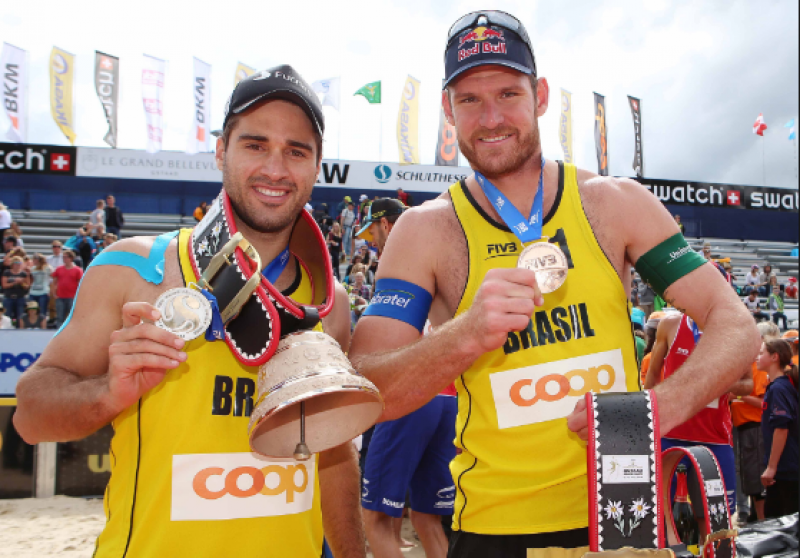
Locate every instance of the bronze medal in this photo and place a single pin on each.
(548, 262)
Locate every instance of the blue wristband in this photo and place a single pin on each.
(401, 300)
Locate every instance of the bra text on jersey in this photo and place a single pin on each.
(558, 326)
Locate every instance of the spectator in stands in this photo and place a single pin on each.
(108, 240)
(751, 281)
(16, 231)
(40, 282)
(56, 259)
(335, 247)
(680, 225)
(372, 270)
(16, 283)
(354, 269)
(358, 286)
(5, 220)
(706, 251)
(83, 245)
(348, 221)
(5, 321)
(764, 280)
(364, 204)
(9, 243)
(404, 197)
(341, 207)
(791, 288)
(32, 318)
(775, 304)
(779, 425)
(114, 218)
(66, 279)
(97, 220)
(200, 211)
(322, 218)
(357, 260)
(11, 251)
(646, 297)
(792, 338)
(754, 306)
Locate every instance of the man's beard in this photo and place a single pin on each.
(493, 166)
(251, 217)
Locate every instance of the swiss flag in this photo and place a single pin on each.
(734, 197)
(759, 126)
(60, 162)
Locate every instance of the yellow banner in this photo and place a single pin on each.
(407, 132)
(565, 125)
(242, 71)
(62, 70)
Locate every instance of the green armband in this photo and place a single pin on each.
(668, 262)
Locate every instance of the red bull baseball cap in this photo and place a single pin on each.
(383, 207)
(487, 37)
(280, 82)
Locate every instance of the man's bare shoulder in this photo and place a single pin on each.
(607, 189)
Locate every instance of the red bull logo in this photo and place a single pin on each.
(477, 36)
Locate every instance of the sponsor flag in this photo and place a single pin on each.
(446, 146)
(792, 131)
(62, 70)
(565, 125)
(153, 70)
(329, 89)
(601, 134)
(636, 113)
(759, 126)
(201, 115)
(106, 83)
(14, 69)
(371, 92)
(407, 125)
(242, 71)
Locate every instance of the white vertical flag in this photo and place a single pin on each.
(153, 70)
(201, 119)
(13, 69)
(330, 90)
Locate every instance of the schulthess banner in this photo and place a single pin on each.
(201, 115)
(62, 71)
(106, 83)
(601, 134)
(14, 71)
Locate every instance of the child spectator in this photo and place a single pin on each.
(775, 305)
(40, 282)
(32, 318)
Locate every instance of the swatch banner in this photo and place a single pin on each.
(14, 70)
(62, 71)
(407, 133)
(447, 145)
(201, 119)
(106, 83)
(705, 194)
(636, 113)
(565, 126)
(153, 71)
(601, 134)
(242, 71)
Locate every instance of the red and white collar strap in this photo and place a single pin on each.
(259, 321)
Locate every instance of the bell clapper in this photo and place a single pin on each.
(301, 452)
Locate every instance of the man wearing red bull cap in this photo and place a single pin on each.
(526, 337)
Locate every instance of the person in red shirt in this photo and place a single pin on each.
(66, 279)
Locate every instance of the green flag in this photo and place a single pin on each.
(371, 92)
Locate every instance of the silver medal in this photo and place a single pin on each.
(548, 262)
(184, 312)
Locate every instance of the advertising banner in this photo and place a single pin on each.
(14, 69)
(636, 113)
(407, 117)
(153, 72)
(601, 134)
(201, 117)
(242, 71)
(28, 158)
(447, 144)
(565, 126)
(106, 83)
(16, 458)
(83, 467)
(62, 71)
(705, 194)
(18, 350)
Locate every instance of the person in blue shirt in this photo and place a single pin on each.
(779, 426)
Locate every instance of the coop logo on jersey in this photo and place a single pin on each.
(219, 486)
(544, 392)
(477, 38)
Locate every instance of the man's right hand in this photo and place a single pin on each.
(140, 354)
(505, 302)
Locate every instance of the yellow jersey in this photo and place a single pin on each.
(521, 470)
(183, 479)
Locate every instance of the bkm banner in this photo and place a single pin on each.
(242, 71)
(703, 194)
(201, 118)
(62, 71)
(27, 158)
(446, 145)
(14, 68)
(636, 113)
(407, 135)
(601, 134)
(106, 83)
(565, 125)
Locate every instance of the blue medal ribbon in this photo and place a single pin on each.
(695, 331)
(527, 230)
(276, 266)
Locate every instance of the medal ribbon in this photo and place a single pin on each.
(695, 330)
(274, 268)
(527, 230)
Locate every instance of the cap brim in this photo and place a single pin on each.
(364, 232)
(506, 63)
(287, 95)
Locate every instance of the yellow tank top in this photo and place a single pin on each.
(521, 470)
(183, 479)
